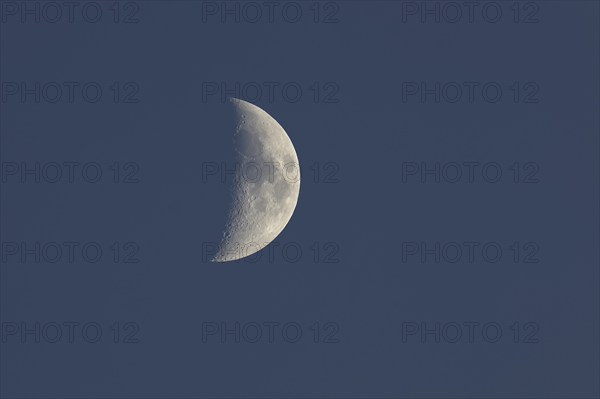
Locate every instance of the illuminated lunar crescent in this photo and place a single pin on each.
(266, 184)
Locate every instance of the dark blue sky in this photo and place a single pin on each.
(445, 242)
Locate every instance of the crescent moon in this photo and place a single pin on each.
(266, 183)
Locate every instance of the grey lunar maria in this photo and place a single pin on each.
(266, 184)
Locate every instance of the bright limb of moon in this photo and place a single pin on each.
(265, 186)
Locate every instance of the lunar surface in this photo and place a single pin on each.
(266, 184)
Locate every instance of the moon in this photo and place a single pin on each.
(266, 183)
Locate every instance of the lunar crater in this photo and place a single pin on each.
(261, 206)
